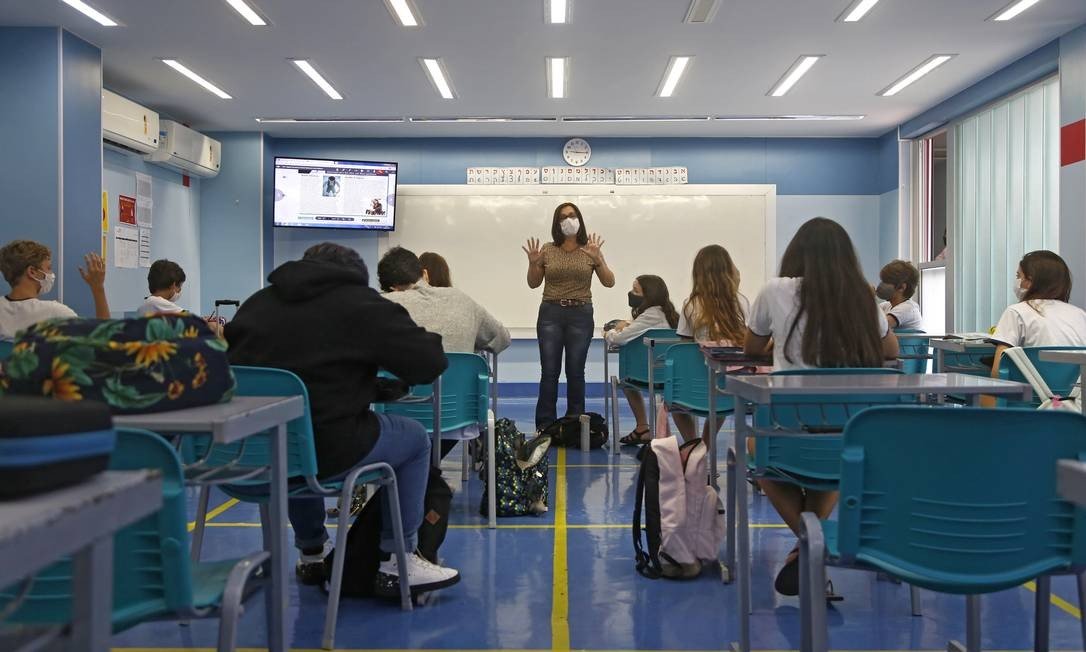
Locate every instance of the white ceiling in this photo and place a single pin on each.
(494, 51)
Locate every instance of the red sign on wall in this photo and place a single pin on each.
(127, 212)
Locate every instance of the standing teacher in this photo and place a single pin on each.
(565, 316)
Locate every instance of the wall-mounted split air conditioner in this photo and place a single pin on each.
(187, 150)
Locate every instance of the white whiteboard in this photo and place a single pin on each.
(647, 230)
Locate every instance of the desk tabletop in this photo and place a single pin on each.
(1071, 356)
(226, 422)
(1071, 481)
(761, 389)
(957, 345)
(38, 530)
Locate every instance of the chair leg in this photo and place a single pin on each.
(972, 627)
(465, 461)
(267, 534)
(343, 522)
(729, 517)
(201, 517)
(615, 428)
(812, 585)
(491, 474)
(234, 592)
(914, 600)
(1081, 581)
(1041, 614)
(393, 497)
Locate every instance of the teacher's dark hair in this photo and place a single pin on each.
(337, 254)
(842, 326)
(556, 225)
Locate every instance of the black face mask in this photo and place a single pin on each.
(635, 299)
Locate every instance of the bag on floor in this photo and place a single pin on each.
(566, 432)
(150, 364)
(684, 525)
(364, 538)
(521, 472)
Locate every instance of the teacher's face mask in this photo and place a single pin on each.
(570, 226)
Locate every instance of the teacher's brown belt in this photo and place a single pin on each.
(565, 303)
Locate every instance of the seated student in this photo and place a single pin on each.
(28, 268)
(715, 312)
(652, 308)
(1043, 316)
(464, 326)
(898, 284)
(164, 281)
(818, 313)
(435, 270)
(320, 319)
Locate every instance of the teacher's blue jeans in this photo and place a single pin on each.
(561, 329)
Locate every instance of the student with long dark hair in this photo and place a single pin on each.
(652, 308)
(820, 312)
(435, 270)
(565, 323)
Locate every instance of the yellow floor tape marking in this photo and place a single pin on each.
(1057, 601)
(217, 511)
(560, 592)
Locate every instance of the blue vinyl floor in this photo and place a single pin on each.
(515, 595)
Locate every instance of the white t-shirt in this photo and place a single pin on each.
(1042, 322)
(19, 315)
(152, 305)
(907, 313)
(653, 317)
(773, 313)
(686, 328)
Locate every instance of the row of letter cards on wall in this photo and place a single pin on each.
(649, 176)
(502, 176)
(589, 175)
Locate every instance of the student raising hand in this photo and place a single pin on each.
(94, 274)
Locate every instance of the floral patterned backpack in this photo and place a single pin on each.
(151, 364)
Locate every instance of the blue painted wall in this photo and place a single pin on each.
(81, 128)
(29, 171)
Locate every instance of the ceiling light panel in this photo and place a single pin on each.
(636, 118)
(327, 121)
(317, 78)
(247, 12)
(211, 88)
(794, 74)
(676, 66)
(1013, 9)
(785, 118)
(91, 12)
(557, 77)
(438, 76)
(701, 11)
(556, 12)
(485, 119)
(857, 10)
(916, 73)
(405, 12)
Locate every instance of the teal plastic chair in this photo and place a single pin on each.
(956, 500)
(636, 372)
(1059, 376)
(153, 578)
(253, 455)
(686, 383)
(914, 343)
(5, 349)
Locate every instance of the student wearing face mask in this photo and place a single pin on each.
(164, 281)
(28, 268)
(652, 308)
(1043, 317)
(565, 322)
(898, 284)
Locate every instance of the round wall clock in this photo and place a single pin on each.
(577, 151)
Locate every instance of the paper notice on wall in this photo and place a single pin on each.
(144, 203)
(145, 247)
(126, 246)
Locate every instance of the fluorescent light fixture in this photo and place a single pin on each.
(327, 121)
(212, 88)
(798, 70)
(557, 77)
(488, 119)
(1013, 9)
(784, 118)
(405, 12)
(916, 73)
(636, 118)
(672, 74)
(439, 78)
(317, 78)
(556, 12)
(857, 10)
(701, 11)
(91, 12)
(247, 12)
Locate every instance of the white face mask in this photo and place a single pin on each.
(46, 281)
(570, 226)
(1019, 291)
(175, 296)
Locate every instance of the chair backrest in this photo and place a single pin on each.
(1059, 376)
(465, 395)
(151, 568)
(255, 452)
(686, 381)
(5, 349)
(960, 500)
(813, 457)
(633, 356)
(913, 342)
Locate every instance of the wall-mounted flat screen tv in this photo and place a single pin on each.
(322, 193)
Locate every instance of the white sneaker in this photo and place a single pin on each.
(422, 575)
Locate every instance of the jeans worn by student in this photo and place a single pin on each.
(405, 446)
(562, 329)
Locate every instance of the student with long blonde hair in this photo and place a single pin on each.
(715, 312)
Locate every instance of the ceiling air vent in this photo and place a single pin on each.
(701, 11)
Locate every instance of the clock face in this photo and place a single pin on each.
(577, 151)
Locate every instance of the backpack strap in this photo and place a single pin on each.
(647, 563)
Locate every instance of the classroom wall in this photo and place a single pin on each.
(1073, 159)
(175, 234)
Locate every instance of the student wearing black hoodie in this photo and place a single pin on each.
(320, 319)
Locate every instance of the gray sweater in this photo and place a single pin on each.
(464, 326)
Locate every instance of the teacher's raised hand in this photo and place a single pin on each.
(595, 243)
(534, 250)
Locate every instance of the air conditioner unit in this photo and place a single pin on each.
(127, 126)
(187, 150)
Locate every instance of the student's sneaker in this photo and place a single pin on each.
(310, 568)
(422, 575)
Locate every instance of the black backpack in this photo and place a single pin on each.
(566, 432)
(521, 472)
(364, 538)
